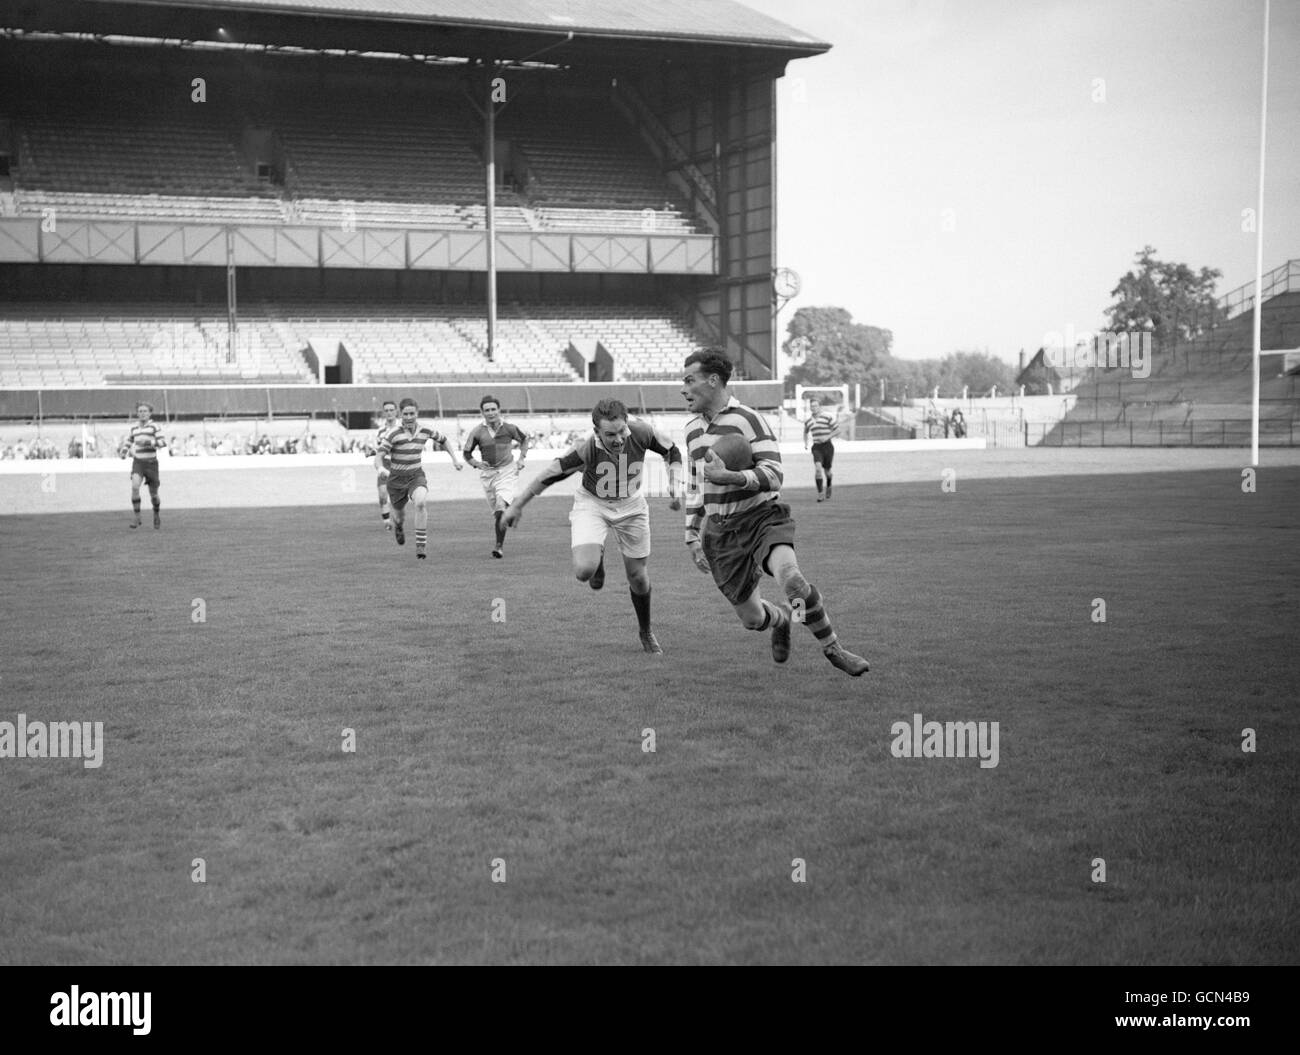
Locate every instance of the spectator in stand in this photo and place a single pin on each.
(74, 448)
(20, 450)
(191, 446)
(958, 424)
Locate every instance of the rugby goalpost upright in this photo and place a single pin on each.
(1259, 257)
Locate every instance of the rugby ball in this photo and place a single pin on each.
(734, 451)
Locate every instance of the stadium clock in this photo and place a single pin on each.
(785, 283)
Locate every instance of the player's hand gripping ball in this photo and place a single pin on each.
(733, 449)
(730, 452)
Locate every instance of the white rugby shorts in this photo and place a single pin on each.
(594, 518)
(499, 485)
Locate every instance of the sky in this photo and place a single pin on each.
(977, 174)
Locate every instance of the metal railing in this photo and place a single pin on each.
(1222, 432)
(1282, 279)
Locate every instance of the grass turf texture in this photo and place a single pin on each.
(522, 739)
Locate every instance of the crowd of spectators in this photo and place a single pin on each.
(185, 446)
(31, 450)
(192, 446)
(197, 445)
(554, 440)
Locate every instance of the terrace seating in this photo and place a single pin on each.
(1203, 384)
(131, 151)
(359, 153)
(77, 205)
(58, 345)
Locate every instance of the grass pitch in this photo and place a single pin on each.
(519, 740)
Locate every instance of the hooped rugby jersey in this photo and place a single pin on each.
(403, 447)
(762, 482)
(823, 426)
(145, 440)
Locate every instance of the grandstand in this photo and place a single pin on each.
(302, 199)
(1198, 392)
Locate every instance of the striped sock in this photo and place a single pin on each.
(772, 616)
(814, 615)
(421, 536)
(135, 504)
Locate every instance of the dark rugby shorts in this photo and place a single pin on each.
(400, 486)
(146, 469)
(737, 548)
(823, 454)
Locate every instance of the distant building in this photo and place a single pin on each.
(1040, 374)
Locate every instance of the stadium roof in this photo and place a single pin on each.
(716, 23)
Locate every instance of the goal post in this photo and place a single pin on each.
(802, 393)
(831, 396)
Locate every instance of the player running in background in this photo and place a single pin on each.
(498, 470)
(389, 423)
(821, 427)
(401, 446)
(143, 441)
(612, 461)
(736, 525)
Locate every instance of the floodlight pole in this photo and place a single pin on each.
(232, 304)
(490, 153)
(1259, 256)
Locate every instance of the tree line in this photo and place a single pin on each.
(1172, 301)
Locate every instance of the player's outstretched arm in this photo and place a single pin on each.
(674, 478)
(447, 446)
(663, 446)
(562, 467)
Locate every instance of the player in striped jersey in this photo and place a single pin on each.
(821, 427)
(144, 441)
(402, 447)
(389, 422)
(498, 471)
(736, 525)
(612, 461)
